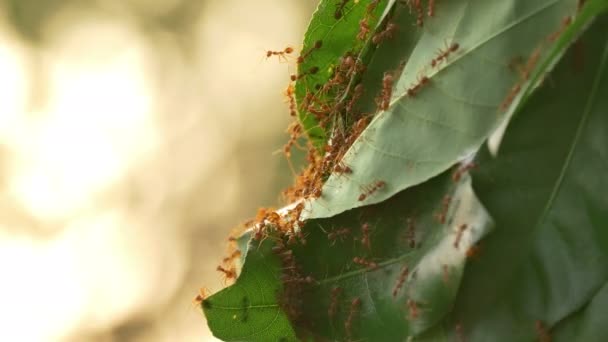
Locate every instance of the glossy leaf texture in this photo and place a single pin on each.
(544, 266)
(336, 25)
(248, 310)
(404, 270)
(433, 123)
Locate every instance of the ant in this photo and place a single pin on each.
(387, 33)
(339, 9)
(384, 100)
(413, 309)
(317, 45)
(313, 70)
(364, 262)
(422, 81)
(228, 273)
(401, 280)
(420, 16)
(369, 190)
(203, 293)
(354, 308)
(372, 6)
(541, 330)
(342, 168)
(281, 55)
(459, 231)
(365, 239)
(357, 93)
(232, 256)
(300, 280)
(411, 232)
(565, 23)
(338, 234)
(363, 29)
(445, 273)
(473, 251)
(504, 105)
(459, 332)
(531, 63)
(443, 55)
(289, 93)
(431, 12)
(445, 205)
(461, 170)
(333, 306)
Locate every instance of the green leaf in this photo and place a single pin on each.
(588, 324)
(462, 104)
(546, 189)
(338, 37)
(434, 263)
(248, 310)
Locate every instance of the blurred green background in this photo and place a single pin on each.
(135, 135)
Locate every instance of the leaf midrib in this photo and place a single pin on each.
(575, 142)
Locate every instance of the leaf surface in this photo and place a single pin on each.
(463, 102)
(248, 310)
(546, 259)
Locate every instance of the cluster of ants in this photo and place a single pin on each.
(525, 69)
(333, 104)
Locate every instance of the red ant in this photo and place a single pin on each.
(363, 29)
(313, 70)
(445, 205)
(387, 33)
(413, 309)
(339, 9)
(459, 332)
(387, 88)
(420, 16)
(422, 81)
(401, 280)
(317, 45)
(431, 12)
(580, 5)
(411, 232)
(203, 293)
(300, 280)
(365, 239)
(443, 55)
(364, 262)
(260, 232)
(338, 234)
(504, 105)
(354, 308)
(369, 190)
(565, 23)
(289, 93)
(531, 63)
(541, 330)
(357, 93)
(342, 168)
(460, 230)
(461, 170)
(445, 273)
(228, 273)
(280, 54)
(372, 6)
(333, 306)
(473, 251)
(232, 256)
